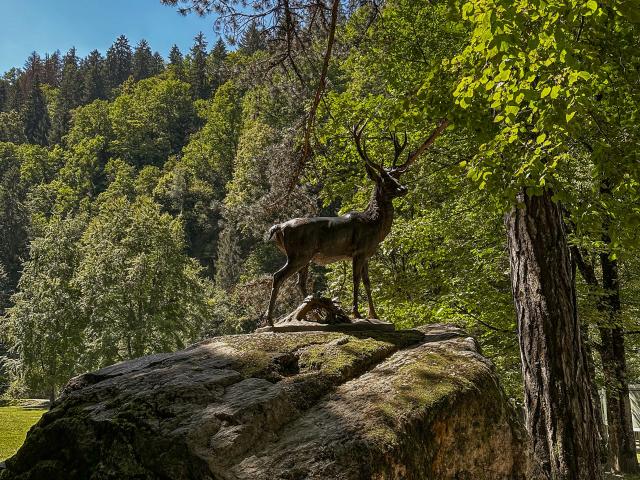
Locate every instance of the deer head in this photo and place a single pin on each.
(386, 179)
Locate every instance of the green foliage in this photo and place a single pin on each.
(35, 116)
(11, 127)
(197, 69)
(140, 292)
(175, 179)
(151, 121)
(194, 185)
(45, 323)
(100, 290)
(556, 77)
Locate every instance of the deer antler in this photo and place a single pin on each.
(357, 131)
(411, 158)
(397, 147)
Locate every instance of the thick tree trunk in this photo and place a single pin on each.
(560, 414)
(622, 445)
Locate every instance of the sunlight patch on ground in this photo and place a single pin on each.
(15, 422)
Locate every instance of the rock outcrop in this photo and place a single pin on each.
(419, 404)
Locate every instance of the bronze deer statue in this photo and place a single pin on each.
(356, 235)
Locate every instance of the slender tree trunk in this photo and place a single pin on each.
(595, 397)
(621, 449)
(560, 414)
(576, 259)
(622, 445)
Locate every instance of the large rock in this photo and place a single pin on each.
(421, 404)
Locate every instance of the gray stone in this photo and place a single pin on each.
(419, 404)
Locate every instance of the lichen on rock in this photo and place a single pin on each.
(418, 404)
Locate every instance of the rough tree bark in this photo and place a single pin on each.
(560, 413)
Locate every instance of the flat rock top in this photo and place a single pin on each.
(308, 405)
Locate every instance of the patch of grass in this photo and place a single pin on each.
(15, 422)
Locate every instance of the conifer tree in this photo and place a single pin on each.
(198, 68)
(4, 94)
(143, 61)
(52, 69)
(93, 78)
(15, 94)
(119, 62)
(69, 97)
(33, 68)
(158, 64)
(35, 115)
(176, 62)
(215, 64)
(252, 40)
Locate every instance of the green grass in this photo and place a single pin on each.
(15, 422)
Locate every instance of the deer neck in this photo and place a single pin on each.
(380, 212)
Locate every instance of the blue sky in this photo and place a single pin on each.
(47, 25)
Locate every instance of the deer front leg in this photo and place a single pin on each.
(278, 279)
(358, 263)
(367, 288)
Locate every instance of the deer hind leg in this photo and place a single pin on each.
(278, 279)
(303, 274)
(367, 288)
(358, 263)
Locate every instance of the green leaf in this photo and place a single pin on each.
(512, 109)
(541, 138)
(545, 91)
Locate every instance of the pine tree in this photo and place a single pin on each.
(143, 61)
(35, 115)
(176, 62)
(15, 94)
(93, 78)
(198, 68)
(215, 64)
(69, 97)
(252, 40)
(158, 64)
(33, 70)
(4, 94)
(119, 62)
(52, 69)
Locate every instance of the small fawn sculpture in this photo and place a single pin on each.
(356, 235)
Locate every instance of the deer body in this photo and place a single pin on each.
(355, 236)
(324, 240)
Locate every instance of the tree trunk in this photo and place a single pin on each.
(622, 446)
(595, 398)
(560, 414)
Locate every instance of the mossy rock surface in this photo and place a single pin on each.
(419, 404)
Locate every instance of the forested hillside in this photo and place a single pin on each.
(136, 191)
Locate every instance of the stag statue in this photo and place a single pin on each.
(356, 235)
